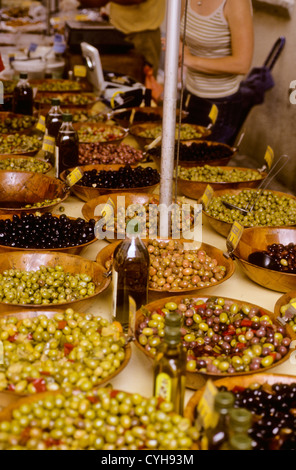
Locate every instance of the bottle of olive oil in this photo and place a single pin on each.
(170, 365)
(54, 118)
(67, 146)
(129, 276)
(218, 435)
(23, 100)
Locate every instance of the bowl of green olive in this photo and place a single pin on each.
(270, 209)
(52, 350)
(19, 144)
(147, 132)
(100, 132)
(44, 278)
(267, 255)
(223, 337)
(11, 123)
(73, 414)
(24, 163)
(192, 182)
(23, 191)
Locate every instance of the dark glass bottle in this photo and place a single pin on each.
(218, 435)
(67, 146)
(23, 100)
(54, 118)
(170, 365)
(129, 277)
(239, 442)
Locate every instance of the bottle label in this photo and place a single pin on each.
(207, 417)
(41, 124)
(207, 196)
(163, 386)
(56, 155)
(48, 144)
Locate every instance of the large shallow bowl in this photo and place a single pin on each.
(4, 116)
(257, 239)
(86, 193)
(25, 158)
(17, 189)
(223, 228)
(72, 250)
(141, 114)
(22, 148)
(231, 382)
(56, 85)
(195, 189)
(196, 380)
(73, 100)
(106, 254)
(9, 397)
(73, 264)
(137, 129)
(220, 159)
(108, 133)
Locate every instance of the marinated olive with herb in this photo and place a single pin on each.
(103, 420)
(110, 153)
(25, 164)
(100, 133)
(13, 123)
(187, 132)
(220, 336)
(212, 174)
(19, 143)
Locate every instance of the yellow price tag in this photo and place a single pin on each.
(41, 124)
(234, 236)
(74, 176)
(207, 417)
(214, 114)
(48, 144)
(207, 196)
(132, 315)
(108, 209)
(80, 71)
(269, 156)
(81, 18)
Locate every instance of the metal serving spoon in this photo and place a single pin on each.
(272, 173)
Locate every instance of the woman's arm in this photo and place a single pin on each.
(239, 17)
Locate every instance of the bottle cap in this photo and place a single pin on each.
(67, 117)
(240, 418)
(224, 401)
(240, 442)
(55, 102)
(172, 329)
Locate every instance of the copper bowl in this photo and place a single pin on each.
(219, 161)
(195, 189)
(106, 254)
(72, 250)
(102, 127)
(9, 397)
(223, 228)
(257, 239)
(27, 261)
(196, 380)
(19, 188)
(86, 193)
(231, 382)
(136, 130)
(25, 158)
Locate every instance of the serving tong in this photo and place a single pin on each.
(277, 167)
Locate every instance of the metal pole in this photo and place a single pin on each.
(169, 109)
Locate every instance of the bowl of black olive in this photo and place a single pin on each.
(108, 179)
(34, 232)
(267, 255)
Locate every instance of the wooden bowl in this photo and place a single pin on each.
(8, 115)
(223, 228)
(25, 261)
(221, 160)
(142, 114)
(101, 127)
(137, 129)
(196, 380)
(19, 188)
(55, 85)
(257, 239)
(231, 382)
(107, 252)
(24, 157)
(9, 397)
(72, 250)
(284, 300)
(86, 193)
(195, 189)
(43, 100)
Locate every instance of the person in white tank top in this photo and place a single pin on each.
(218, 50)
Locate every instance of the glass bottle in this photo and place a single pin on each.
(23, 99)
(67, 146)
(129, 276)
(218, 435)
(239, 442)
(170, 365)
(240, 421)
(54, 118)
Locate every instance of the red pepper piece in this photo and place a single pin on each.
(114, 393)
(237, 389)
(62, 324)
(50, 442)
(12, 339)
(11, 387)
(240, 345)
(197, 307)
(261, 312)
(47, 374)
(160, 312)
(30, 336)
(39, 385)
(93, 400)
(25, 436)
(246, 322)
(228, 332)
(68, 348)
